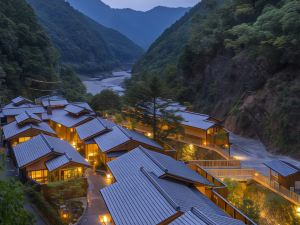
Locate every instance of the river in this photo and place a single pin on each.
(113, 82)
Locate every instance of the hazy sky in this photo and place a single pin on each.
(148, 4)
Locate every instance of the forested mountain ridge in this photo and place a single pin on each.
(83, 44)
(141, 27)
(240, 62)
(27, 56)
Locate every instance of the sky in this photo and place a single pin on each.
(144, 5)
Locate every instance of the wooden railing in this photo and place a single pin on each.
(284, 192)
(217, 163)
(238, 174)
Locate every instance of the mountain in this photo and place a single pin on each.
(141, 27)
(237, 60)
(28, 58)
(83, 44)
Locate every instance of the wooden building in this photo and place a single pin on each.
(47, 159)
(152, 188)
(64, 120)
(104, 141)
(18, 106)
(284, 174)
(25, 127)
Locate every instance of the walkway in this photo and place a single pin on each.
(96, 204)
(253, 153)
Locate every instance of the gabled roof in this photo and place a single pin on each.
(283, 168)
(53, 101)
(161, 165)
(64, 118)
(93, 128)
(196, 217)
(143, 198)
(20, 100)
(27, 117)
(119, 135)
(196, 120)
(43, 145)
(14, 129)
(76, 109)
(12, 110)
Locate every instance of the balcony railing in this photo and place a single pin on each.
(217, 163)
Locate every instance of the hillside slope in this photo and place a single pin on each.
(240, 62)
(83, 44)
(141, 27)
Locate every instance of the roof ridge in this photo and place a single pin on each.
(68, 157)
(47, 143)
(124, 132)
(161, 190)
(101, 122)
(154, 160)
(202, 216)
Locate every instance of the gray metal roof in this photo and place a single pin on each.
(62, 117)
(196, 217)
(13, 129)
(136, 201)
(195, 120)
(43, 145)
(27, 116)
(12, 110)
(137, 174)
(119, 135)
(176, 168)
(75, 109)
(283, 168)
(57, 162)
(55, 103)
(20, 100)
(160, 164)
(93, 128)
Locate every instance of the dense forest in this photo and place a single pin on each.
(27, 55)
(140, 27)
(85, 45)
(239, 61)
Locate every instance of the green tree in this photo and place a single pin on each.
(12, 210)
(148, 105)
(106, 102)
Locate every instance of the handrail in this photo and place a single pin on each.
(233, 163)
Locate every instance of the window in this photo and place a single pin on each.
(70, 173)
(40, 176)
(23, 139)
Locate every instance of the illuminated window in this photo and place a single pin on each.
(40, 176)
(23, 139)
(70, 173)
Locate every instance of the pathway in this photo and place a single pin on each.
(96, 204)
(253, 153)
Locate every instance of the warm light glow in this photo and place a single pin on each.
(86, 160)
(74, 144)
(61, 139)
(104, 219)
(148, 134)
(239, 157)
(65, 215)
(59, 125)
(79, 169)
(204, 143)
(108, 176)
(298, 210)
(256, 174)
(226, 146)
(72, 130)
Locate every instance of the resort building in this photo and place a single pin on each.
(64, 120)
(18, 106)
(52, 101)
(152, 188)
(284, 174)
(26, 126)
(104, 141)
(47, 159)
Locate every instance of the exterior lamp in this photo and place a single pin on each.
(298, 210)
(148, 134)
(59, 125)
(104, 219)
(108, 176)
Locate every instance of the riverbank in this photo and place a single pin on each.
(113, 81)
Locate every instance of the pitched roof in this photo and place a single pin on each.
(43, 145)
(196, 217)
(13, 129)
(12, 110)
(283, 168)
(142, 198)
(119, 135)
(62, 117)
(27, 116)
(54, 101)
(76, 109)
(161, 165)
(93, 128)
(20, 100)
(195, 120)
